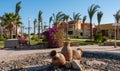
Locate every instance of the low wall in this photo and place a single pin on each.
(111, 43)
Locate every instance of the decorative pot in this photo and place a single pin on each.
(67, 51)
(77, 54)
(58, 59)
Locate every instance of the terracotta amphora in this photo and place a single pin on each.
(77, 54)
(67, 51)
(58, 59)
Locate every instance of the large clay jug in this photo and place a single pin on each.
(77, 54)
(58, 59)
(67, 51)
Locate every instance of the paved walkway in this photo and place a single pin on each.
(93, 48)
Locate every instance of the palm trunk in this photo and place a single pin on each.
(10, 34)
(98, 29)
(117, 31)
(38, 29)
(49, 25)
(67, 31)
(17, 31)
(83, 28)
(41, 27)
(91, 30)
(34, 30)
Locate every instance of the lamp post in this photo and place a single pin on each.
(115, 24)
(28, 30)
(115, 34)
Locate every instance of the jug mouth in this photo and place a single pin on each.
(67, 43)
(53, 53)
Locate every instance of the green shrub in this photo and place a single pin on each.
(25, 35)
(104, 38)
(98, 37)
(78, 36)
(70, 32)
(2, 39)
(35, 38)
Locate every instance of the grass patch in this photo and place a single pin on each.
(1, 44)
(82, 41)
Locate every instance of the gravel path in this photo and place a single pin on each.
(6, 53)
(95, 58)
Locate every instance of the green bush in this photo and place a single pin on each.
(70, 32)
(2, 39)
(78, 36)
(35, 38)
(98, 37)
(104, 38)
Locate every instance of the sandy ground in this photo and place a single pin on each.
(6, 53)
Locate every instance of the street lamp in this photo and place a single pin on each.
(115, 24)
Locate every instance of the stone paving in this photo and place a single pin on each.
(6, 53)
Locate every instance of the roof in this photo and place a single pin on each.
(107, 26)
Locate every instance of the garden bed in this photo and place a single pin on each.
(96, 61)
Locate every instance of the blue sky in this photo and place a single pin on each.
(30, 8)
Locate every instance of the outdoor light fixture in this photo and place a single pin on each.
(115, 24)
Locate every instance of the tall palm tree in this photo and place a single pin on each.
(99, 17)
(35, 21)
(65, 18)
(117, 18)
(83, 20)
(56, 18)
(91, 11)
(39, 22)
(50, 20)
(9, 21)
(75, 18)
(17, 22)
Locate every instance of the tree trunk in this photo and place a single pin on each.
(10, 34)
(83, 29)
(67, 31)
(49, 25)
(34, 30)
(117, 31)
(17, 31)
(38, 29)
(98, 29)
(41, 27)
(91, 30)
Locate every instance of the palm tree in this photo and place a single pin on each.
(83, 20)
(17, 22)
(57, 18)
(65, 18)
(35, 21)
(39, 22)
(117, 18)
(91, 11)
(99, 17)
(50, 20)
(9, 21)
(75, 18)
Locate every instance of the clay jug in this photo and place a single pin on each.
(67, 51)
(58, 59)
(77, 54)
